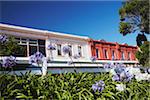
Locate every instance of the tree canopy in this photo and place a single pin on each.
(10, 47)
(143, 56)
(134, 16)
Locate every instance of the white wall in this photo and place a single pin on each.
(66, 41)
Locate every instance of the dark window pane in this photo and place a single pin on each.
(70, 53)
(42, 50)
(59, 49)
(79, 51)
(122, 54)
(113, 55)
(128, 55)
(97, 53)
(32, 50)
(105, 53)
(31, 41)
(22, 52)
(41, 42)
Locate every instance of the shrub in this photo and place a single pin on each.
(70, 86)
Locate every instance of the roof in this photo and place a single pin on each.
(38, 31)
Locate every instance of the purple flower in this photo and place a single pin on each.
(76, 56)
(115, 77)
(36, 58)
(123, 76)
(8, 61)
(119, 69)
(93, 58)
(51, 47)
(98, 86)
(66, 49)
(3, 38)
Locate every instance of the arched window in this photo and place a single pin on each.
(97, 53)
(129, 55)
(122, 55)
(105, 54)
(113, 55)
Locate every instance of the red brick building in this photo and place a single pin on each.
(112, 51)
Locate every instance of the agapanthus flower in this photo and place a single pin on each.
(98, 86)
(93, 58)
(142, 76)
(109, 65)
(120, 87)
(3, 38)
(66, 49)
(36, 58)
(8, 61)
(119, 70)
(122, 76)
(134, 71)
(76, 56)
(51, 47)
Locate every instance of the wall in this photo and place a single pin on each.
(109, 47)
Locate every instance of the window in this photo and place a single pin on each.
(23, 41)
(128, 55)
(113, 55)
(97, 53)
(122, 55)
(70, 53)
(30, 45)
(22, 52)
(79, 51)
(17, 40)
(32, 50)
(41, 44)
(105, 53)
(59, 49)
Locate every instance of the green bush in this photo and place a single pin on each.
(69, 86)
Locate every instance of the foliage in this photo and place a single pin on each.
(69, 86)
(143, 56)
(10, 47)
(134, 16)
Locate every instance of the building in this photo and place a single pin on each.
(33, 40)
(112, 51)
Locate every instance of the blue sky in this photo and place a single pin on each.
(97, 20)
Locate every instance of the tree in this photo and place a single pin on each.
(9, 47)
(143, 56)
(134, 17)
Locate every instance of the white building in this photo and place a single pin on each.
(34, 40)
(38, 40)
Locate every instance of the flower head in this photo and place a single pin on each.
(98, 86)
(66, 49)
(120, 87)
(93, 58)
(51, 47)
(36, 58)
(123, 76)
(3, 38)
(108, 65)
(8, 61)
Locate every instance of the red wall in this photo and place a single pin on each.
(119, 50)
